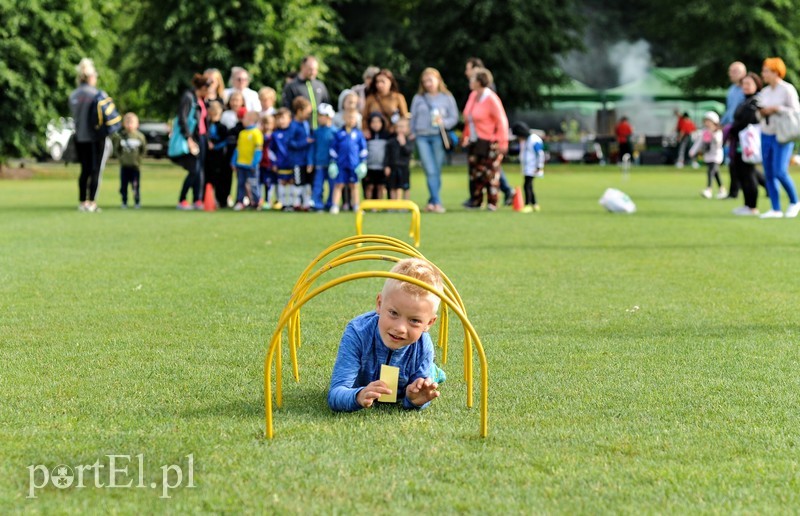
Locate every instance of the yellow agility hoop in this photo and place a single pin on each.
(289, 317)
(387, 244)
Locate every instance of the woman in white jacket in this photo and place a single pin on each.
(777, 98)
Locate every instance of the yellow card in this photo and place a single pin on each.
(389, 376)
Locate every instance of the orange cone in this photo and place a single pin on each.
(209, 203)
(518, 202)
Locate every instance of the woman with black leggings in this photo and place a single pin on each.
(191, 123)
(88, 144)
(745, 172)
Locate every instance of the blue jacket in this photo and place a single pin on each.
(321, 148)
(279, 147)
(349, 149)
(358, 363)
(732, 100)
(299, 148)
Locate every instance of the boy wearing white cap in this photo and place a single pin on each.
(713, 154)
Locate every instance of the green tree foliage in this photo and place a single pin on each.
(147, 50)
(41, 42)
(713, 33)
(518, 40)
(170, 40)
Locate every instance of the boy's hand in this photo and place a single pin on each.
(367, 396)
(421, 391)
(387, 171)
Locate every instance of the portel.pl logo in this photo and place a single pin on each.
(113, 475)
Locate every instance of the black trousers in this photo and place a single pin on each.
(530, 196)
(218, 174)
(194, 168)
(745, 174)
(129, 176)
(90, 156)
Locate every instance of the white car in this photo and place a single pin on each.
(58, 133)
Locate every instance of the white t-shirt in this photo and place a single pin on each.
(783, 95)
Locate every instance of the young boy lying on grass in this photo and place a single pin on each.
(395, 334)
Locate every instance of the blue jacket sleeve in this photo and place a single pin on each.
(450, 118)
(297, 138)
(257, 158)
(234, 157)
(342, 394)
(362, 147)
(423, 370)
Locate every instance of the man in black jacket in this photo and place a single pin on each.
(307, 85)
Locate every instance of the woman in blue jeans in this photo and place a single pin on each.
(777, 98)
(433, 113)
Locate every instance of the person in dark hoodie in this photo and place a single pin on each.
(374, 183)
(745, 173)
(397, 161)
(89, 145)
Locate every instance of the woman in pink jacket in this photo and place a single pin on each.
(485, 137)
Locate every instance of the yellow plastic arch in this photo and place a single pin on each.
(360, 254)
(388, 244)
(392, 204)
(274, 347)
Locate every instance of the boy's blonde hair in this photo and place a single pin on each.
(267, 92)
(251, 117)
(130, 116)
(215, 108)
(421, 270)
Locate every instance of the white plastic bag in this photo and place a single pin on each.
(750, 142)
(616, 201)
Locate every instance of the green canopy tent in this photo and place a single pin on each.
(664, 84)
(573, 92)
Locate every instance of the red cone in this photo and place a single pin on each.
(209, 202)
(518, 202)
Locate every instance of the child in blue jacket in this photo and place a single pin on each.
(349, 152)
(321, 156)
(395, 334)
(299, 144)
(281, 165)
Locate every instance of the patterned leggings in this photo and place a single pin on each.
(484, 174)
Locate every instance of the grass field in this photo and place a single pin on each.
(643, 363)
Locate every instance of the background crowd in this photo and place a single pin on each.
(294, 150)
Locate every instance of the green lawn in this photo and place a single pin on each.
(642, 363)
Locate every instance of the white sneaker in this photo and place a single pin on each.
(723, 193)
(793, 210)
(772, 214)
(706, 193)
(745, 211)
(334, 210)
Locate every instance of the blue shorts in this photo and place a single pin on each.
(346, 176)
(285, 176)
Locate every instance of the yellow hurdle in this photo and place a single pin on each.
(290, 316)
(385, 244)
(392, 204)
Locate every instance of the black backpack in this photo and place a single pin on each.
(104, 119)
